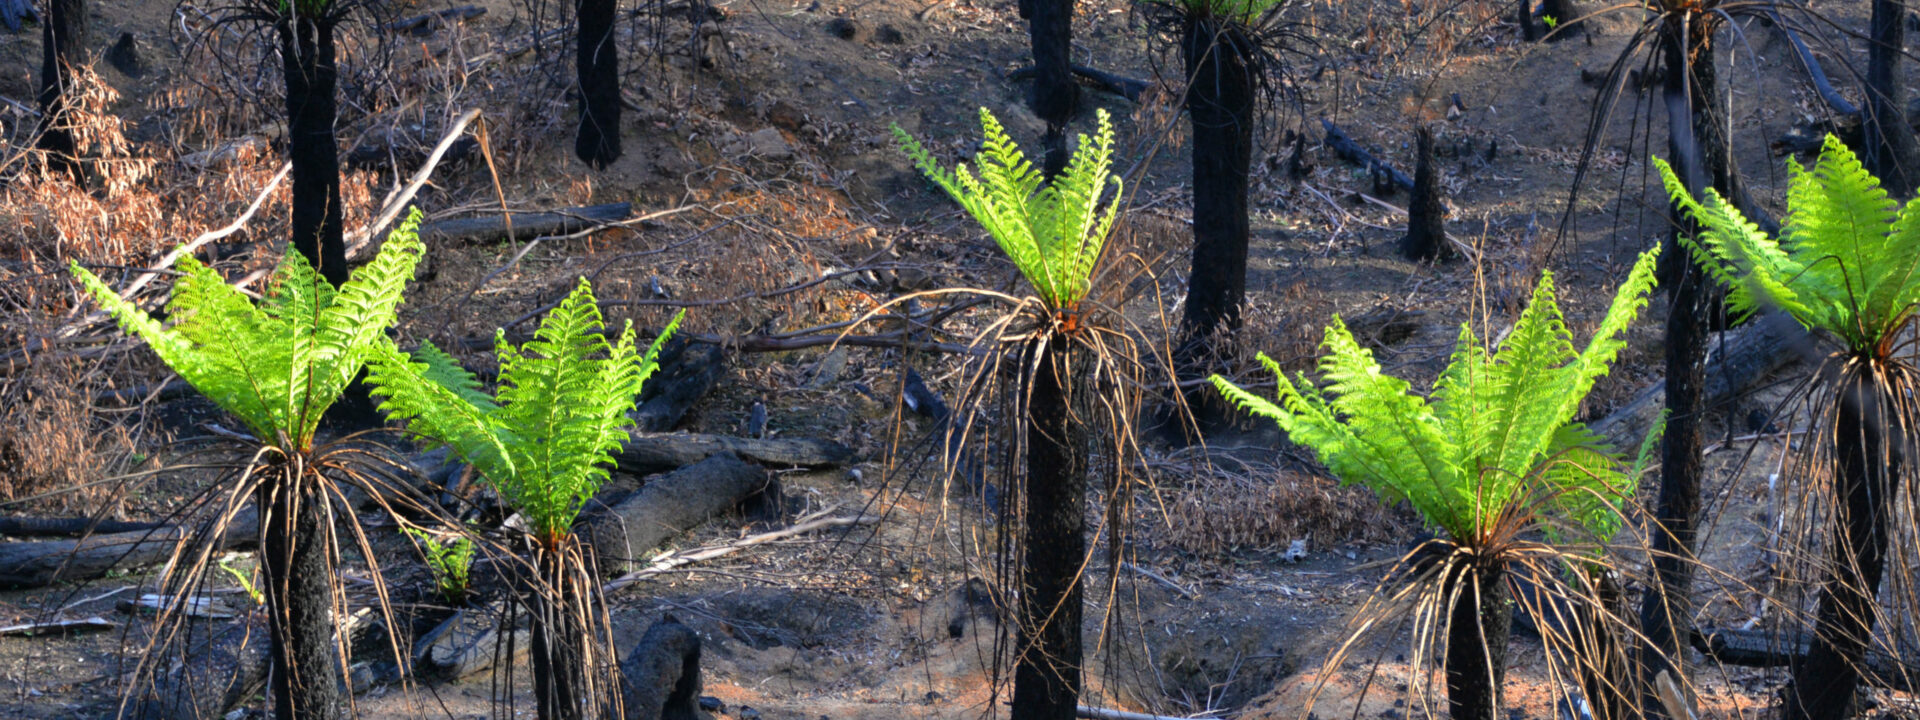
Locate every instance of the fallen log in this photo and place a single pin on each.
(57, 627)
(1815, 73)
(495, 227)
(524, 225)
(1751, 353)
(650, 453)
(1126, 87)
(19, 526)
(468, 642)
(38, 564)
(1773, 648)
(1350, 151)
(626, 530)
(428, 22)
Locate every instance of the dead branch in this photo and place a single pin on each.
(673, 560)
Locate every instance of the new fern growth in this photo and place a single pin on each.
(1847, 261)
(451, 562)
(545, 439)
(278, 364)
(1497, 428)
(1053, 232)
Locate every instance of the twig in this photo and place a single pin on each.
(1094, 713)
(184, 250)
(1157, 577)
(670, 561)
(399, 201)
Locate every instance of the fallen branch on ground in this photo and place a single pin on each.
(673, 560)
(38, 564)
(648, 452)
(666, 506)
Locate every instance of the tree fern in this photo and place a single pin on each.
(546, 437)
(1497, 427)
(1845, 261)
(1845, 264)
(278, 364)
(1243, 12)
(1054, 233)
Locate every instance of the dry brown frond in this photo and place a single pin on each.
(51, 439)
(1261, 509)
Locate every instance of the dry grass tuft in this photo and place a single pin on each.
(51, 439)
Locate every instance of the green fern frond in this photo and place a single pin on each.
(1496, 430)
(1054, 233)
(279, 364)
(1845, 261)
(547, 436)
(1243, 12)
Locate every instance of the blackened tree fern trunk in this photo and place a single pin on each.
(597, 61)
(306, 51)
(1478, 630)
(1055, 96)
(1220, 107)
(1890, 151)
(557, 632)
(63, 34)
(299, 591)
(1427, 209)
(1701, 154)
(1523, 16)
(1603, 671)
(1047, 678)
(1867, 452)
(1564, 13)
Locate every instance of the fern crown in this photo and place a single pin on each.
(1845, 261)
(1054, 232)
(1243, 12)
(1496, 432)
(280, 363)
(545, 439)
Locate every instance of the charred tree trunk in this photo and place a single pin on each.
(1700, 154)
(1478, 629)
(1427, 212)
(597, 60)
(63, 36)
(1055, 96)
(1220, 105)
(1604, 671)
(298, 569)
(306, 50)
(557, 633)
(1564, 13)
(1867, 453)
(1890, 151)
(1047, 679)
(307, 56)
(1523, 15)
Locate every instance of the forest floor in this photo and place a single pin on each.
(759, 138)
